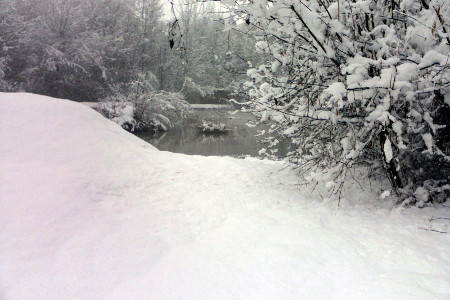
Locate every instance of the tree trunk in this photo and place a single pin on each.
(391, 166)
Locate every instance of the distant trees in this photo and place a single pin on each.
(356, 83)
(65, 48)
(208, 54)
(79, 49)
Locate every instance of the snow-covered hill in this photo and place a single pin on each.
(89, 211)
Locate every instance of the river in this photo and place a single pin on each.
(239, 141)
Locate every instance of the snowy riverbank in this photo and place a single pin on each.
(89, 211)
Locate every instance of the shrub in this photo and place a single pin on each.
(138, 106)
(356, 83)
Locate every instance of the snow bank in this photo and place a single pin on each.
(89, 211)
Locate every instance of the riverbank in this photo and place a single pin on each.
(156, 112)
(89, 211)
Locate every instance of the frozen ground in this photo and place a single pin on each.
(89, 211)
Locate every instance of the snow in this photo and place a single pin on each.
(336, 91)
(428, 140)
(89, 211)
(388, 150)
(385, 194)
(407, 71)
(261, 46)
(421, 194)
(433, 57)
(123, 111)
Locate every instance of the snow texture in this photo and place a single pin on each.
(385, 194)
(89, 211)
(428, 139)
(388, 150)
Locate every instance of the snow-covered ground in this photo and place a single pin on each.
(89, 211)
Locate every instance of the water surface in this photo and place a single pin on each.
(241, 140)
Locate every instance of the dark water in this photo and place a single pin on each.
(241, 140)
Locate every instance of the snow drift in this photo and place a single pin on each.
(89, 211)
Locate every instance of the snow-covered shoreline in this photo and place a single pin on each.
(89, 211)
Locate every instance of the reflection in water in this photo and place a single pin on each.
(241, 140)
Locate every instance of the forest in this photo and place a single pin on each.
(85, 50)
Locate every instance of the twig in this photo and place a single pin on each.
(434, 230)
(439, 218)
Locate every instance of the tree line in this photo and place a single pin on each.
(83, 49)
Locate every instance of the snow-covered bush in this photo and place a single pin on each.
(138, 106)
(161, 111)
(359, 82)
(212, 127)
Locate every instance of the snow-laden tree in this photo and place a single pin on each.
(357, 82)
(76, 49)
(137, 105)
